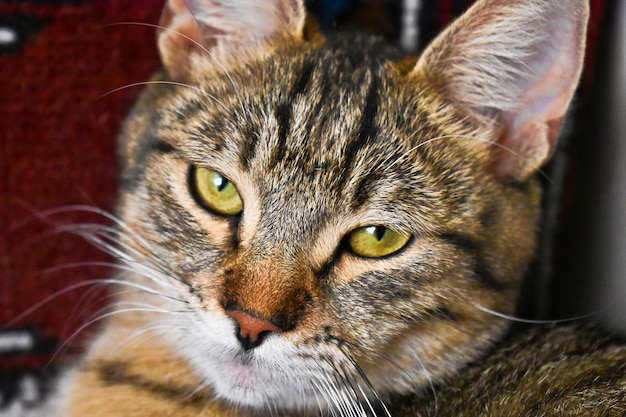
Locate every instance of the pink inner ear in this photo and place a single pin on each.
(532, 131)
(514, 65)
(523, 150)
(179, 36)
(223, 31)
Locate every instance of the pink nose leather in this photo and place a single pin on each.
(251, 328)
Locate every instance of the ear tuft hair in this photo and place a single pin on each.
(223, 30)
(515, 63)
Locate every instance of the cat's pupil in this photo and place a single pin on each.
(379, 232)
(220, 182)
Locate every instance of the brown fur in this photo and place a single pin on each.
(322, 137)
(562, 371)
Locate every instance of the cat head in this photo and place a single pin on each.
(331, 220)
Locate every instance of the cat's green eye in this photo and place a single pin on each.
(376, 241)
(216, 192)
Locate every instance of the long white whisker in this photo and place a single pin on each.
(356, 407)
(132, 265)
(318, 393)
(531, 321)
(347, 403)
(133, 304)
(475, 138)
(164, 82)
(99, 235)
(203, 385)
(84, 264)
(322, 385)
(109, 232)
(145, 289)
(118, 266)
(52, 297)
(139, 304)
(145, 331)
(201, 47)
(99, 318)
(368, 384)
(87, 302)
(369, 404)
(136, 238)
(431, 384)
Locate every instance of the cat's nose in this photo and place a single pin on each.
(251, 330)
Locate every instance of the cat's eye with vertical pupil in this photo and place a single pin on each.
(215, 191)
(376, 241)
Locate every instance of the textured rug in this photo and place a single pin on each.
(67, 70)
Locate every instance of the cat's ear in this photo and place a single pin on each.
(515, 64)
(222, 30)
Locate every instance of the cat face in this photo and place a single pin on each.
(321, 223)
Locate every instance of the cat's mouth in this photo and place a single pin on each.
(242, 373)
(248, 378)
(251, 383)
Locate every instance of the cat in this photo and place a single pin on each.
(314, 224)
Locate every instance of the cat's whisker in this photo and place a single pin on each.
(111, 265)
(72, 265)
(123, 252)
(336, 393)
(143, 288)
(355, 399)
(390, 361)
(89, 302)
(344, 405)
(100, 235)
(108, 231)
(535, 321)
(93, 321)
(349, 402)
(121, 225)
(139, 304)
(319, 396)
(148, 331)
(201, 47)
(475, 138)
(369, 385)
(117, 295)
(165, 82)
(52, 297)
(106, 281)
(346, 391)
(196, 390)
(367, 400)
(328, 391)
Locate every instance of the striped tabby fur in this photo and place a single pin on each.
(272, 311)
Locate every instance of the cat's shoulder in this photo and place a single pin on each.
(573, 370)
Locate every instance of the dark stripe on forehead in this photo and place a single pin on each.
(367, 126)
(367, 129)
(282, 113)
(468, 245)
(249, 144)
(302, 82)
(362, 191)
